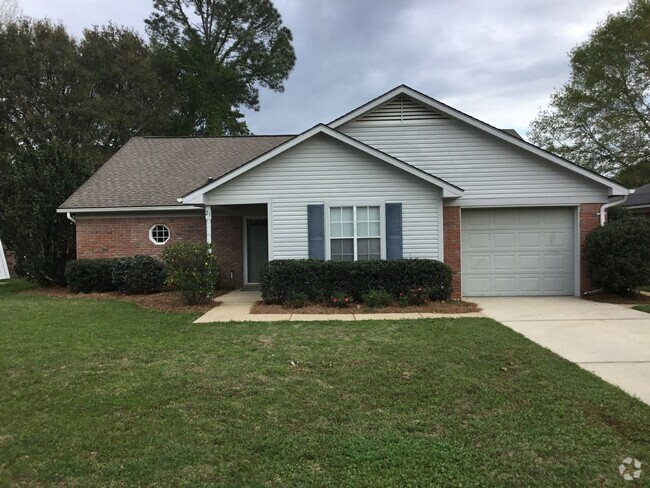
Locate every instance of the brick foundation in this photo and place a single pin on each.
(589, 220)
(451, 224)
(118, 237)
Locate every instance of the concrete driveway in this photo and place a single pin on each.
(609, 340)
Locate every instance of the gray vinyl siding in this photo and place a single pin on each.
(324, 170)
(485, 167)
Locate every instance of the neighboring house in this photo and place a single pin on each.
(639, 201)
(4, 268)
(401, 176)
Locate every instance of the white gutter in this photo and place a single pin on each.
(70, 217)
(161, 208)
(603, 209)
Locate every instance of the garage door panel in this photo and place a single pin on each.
(530, 262)
(529, 240)
(518, 251)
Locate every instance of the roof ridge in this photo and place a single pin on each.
(217, 137)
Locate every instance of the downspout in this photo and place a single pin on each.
(603, 209)
(70, 217)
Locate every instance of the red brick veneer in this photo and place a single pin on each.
(451, 224)
(117, 237)
(589, 220)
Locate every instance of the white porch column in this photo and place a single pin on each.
(208, 224)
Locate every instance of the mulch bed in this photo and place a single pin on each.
(454, 306)
(634, 298)
(166, 301)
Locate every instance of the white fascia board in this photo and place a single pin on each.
(197, 196)
(126, 209)
(615, 188)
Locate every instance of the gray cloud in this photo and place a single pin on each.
(498, 60)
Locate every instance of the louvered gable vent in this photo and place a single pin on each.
(400, 110)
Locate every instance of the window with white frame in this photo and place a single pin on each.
(159, 234)
(355, 233)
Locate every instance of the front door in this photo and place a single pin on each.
(257, 247)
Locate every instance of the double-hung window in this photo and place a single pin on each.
(355, 233)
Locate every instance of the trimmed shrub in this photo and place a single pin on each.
(377, 299)
(296, 300)
(618, 254)
(88, 275)
(318, 279)
(192, 269)
(139, 274)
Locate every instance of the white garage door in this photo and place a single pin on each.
(517, 251)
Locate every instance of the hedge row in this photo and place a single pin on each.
(135, 274)
(281, 280)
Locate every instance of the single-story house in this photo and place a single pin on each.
(403, 175)
(639, 201)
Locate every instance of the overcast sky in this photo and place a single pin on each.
(498, 60)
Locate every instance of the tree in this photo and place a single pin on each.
(601, 117)
(221, 52)
(9, 10)
(65, 107)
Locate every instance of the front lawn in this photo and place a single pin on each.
(642, 308)
(98, 393)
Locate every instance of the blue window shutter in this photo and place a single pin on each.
(316, 231)
(393, 230)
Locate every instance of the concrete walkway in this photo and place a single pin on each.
(609, 340)
(236, 305)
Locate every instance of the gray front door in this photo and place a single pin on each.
(257, 247)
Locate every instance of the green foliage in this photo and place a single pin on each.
(377, 298)
(296, 300)
(618, 213)
(417, 295)
(338, 299)
(138, 274)
(192, 269)
(90, 275)
(281, 278)
(65, 107)
(601, 117)
(220, 60)
(618, 254)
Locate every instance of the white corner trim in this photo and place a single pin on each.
(434, 104)
(449, 190)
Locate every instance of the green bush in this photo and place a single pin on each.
(618, 254)
(297, 300)
(377, 299)
(88, 275)
(192, 269)
(139, 274)
(318, 279)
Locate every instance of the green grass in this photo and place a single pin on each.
(642, 308)
(644, 288)
(108, 394)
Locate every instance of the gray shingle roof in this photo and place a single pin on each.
(155, 171)
(641, 196)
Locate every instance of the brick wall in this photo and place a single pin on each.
(118, 237)
(451, 224)
(589, 220)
